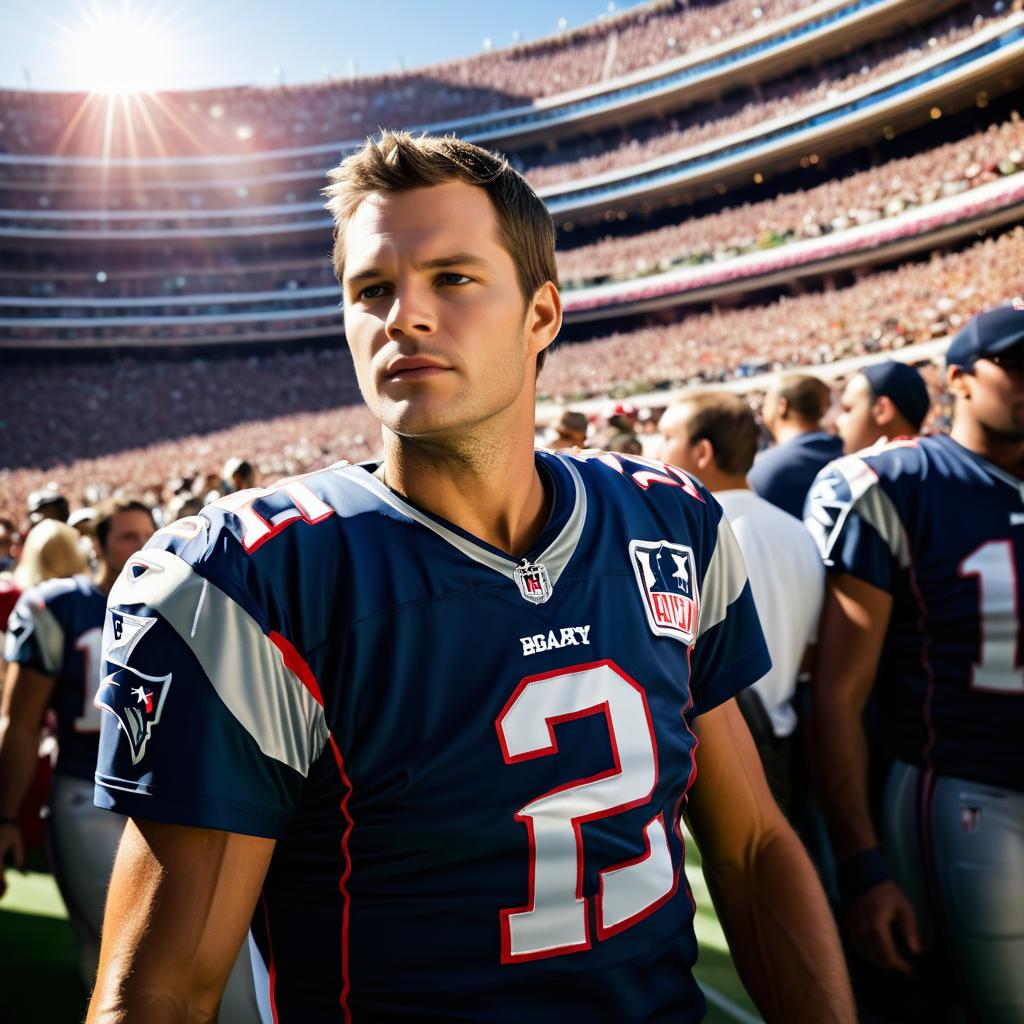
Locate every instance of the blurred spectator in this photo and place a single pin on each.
(237, 475)
(53, 655)
(792, 412)
(714, 437)
(613, 439)
(51, 551)
(884, 400)
(569, 431)
(47, 504)
(10, 546)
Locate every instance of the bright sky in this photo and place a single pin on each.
(85, 45)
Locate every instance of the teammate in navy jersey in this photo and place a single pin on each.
(924, 542)
(431, 724)
(53, 651)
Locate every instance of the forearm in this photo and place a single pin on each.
(782, 935)
(839, 754)
(18, 755)
(178, 907)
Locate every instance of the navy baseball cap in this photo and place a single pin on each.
(903, 386)
(996, 330)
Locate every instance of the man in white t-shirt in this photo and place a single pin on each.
(714, 436)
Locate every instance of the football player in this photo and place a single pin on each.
(53, 651)
(881, 401)
(431, 724)
(923, 540)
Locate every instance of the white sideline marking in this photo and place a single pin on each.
(725, 1004)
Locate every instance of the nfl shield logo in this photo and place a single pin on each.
(533, 581)
(667, 576)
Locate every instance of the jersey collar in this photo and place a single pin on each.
(553, 548)
(988, 467)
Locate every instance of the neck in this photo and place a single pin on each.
(105, 577)
(788, 429)
(489, 487)
(1006, 452)
(718, 481)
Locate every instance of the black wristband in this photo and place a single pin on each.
(8, 821)
(861, 872)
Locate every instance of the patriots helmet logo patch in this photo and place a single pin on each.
(667, 576)
(136, 701)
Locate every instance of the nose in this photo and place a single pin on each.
(411, 314)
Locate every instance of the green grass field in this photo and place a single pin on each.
(40, 981)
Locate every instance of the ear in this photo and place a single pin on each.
(958, 380)
(544, 317)
(703, 455)
(883, 411)
(782, 407)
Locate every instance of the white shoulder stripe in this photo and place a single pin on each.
(49, 634)
(724, 580)
(874, 506)
(245, 668)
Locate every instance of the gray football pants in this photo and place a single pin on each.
(956, 848)
(83, 842)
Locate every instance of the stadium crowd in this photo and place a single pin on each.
(746, 109)
(881, 312)
(858, 198)
(843, 201)
(251, 119)
(260, 405)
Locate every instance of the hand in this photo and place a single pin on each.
(10, 845)
(877, 919)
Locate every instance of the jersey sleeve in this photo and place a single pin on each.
(35, 637)
(856, 524)
(729, 652)
(212, 719)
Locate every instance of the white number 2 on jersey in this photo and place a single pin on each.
(999, 670)
(555, 920)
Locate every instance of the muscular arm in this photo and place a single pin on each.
(853, 627)
(768, 898)
(25, 699)
(179, 905)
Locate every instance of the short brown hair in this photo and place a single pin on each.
(400, 162)
(727, 422)
(106, 510)
(807, 396)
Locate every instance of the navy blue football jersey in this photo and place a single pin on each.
(942, 530)
(57, 628)
(474, 765)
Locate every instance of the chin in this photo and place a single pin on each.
(411, 421)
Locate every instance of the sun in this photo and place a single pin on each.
(117, 51)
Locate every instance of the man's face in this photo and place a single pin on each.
(856, 422)
(770, 411)
(675, 448)
(996, 390)
(438, 328)
(129, 531)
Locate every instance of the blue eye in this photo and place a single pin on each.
(372, 291)
(454, 279)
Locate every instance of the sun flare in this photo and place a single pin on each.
(117, 51)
